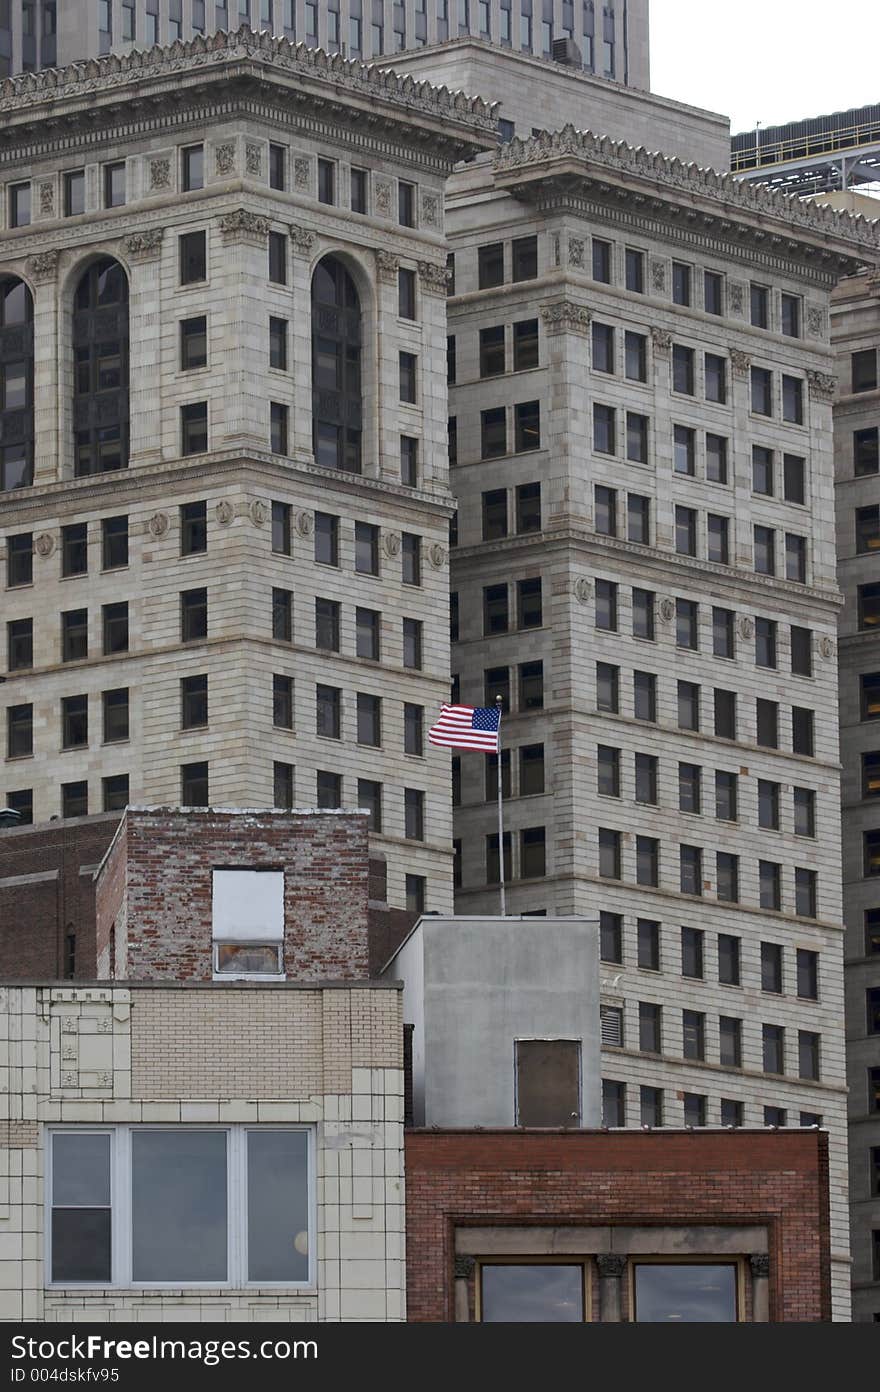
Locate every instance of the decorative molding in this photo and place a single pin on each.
(145, 244)
(823, 385)
(746, 627)
(224, 158)
(44, 544)
(302, 173)
(224, 512)
(383, 197)
(815, 321)
(576, 252)
(740, 362)
(46, 190)
(582, 589)
(658, 275)
(303, 239)
(566, 317)
(463, 1267)
(430, 210)
(158, 524)
(666, 609)
(662, 340)
(259, 512)
(253, 160)
(391, 544)
(387, 266)
(760, 1265)
(160, 173)
(611, 1265)
(244, 225)
(672, 174)
(43, 266)
(305, 523)
(827, 647)
(736, 294)
(434, 278)
(557, 249)
(437, 555)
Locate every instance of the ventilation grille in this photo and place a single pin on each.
(611, 1021)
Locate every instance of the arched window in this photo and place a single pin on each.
(16, 384)
(337, 408)
(100, 352)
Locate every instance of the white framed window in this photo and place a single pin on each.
(158, 1206)
(247, 924)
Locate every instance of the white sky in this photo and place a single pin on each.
(766, 60)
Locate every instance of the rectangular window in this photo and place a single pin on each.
(411, 558)
(490, 265)
(328, 789)
(74, 722)
(406, 299)
(692, 953)
(765, 642)
(193, 702)
(650, 1106)
(328, 711)
(650, 1028)
(606, 605)
(525, 345)
(638, 519)
(636, 438)
(414, 814)
(20, 645)
(115, 712)
(281, 528)
(74, 550)
(687, 614)
(601, 260)
(605, 510)
(282, 702)
(115, 792)
(691, 869)
(728, 960)
(604, 430)
(725, 713)
(529, 603)
(283, 785)
(765, 550)
(870, 773)
(770, 884)
(796, 557)
(635, 356)
(607, 687)
(359, 191)
(367, 633)
(114, 543)
(192, 255)
(327, 613)
(767, 716)
(730, 1042)
(278, 343)
(194, 428)
(326, 181)
(682, 369)
(773, 1048)
(613, 1094)
(74, 635)
(19, 560)
(74, 193)
(869, 607)
(866, 451)
(327, 539)
(648, 944)
(791, 315)
(643, 613)
(610, 937)
(114, 185)
(528, 507)
(685, 531)
(277, 258)
(727, 877)
(193, 343)
(278, 427)
(864, 370)
(19, 731)
(645, 696)
(762, 470)
(408, 377)
(608, 771)
(803, 731)
(684, 450)
(193, 615)
(716, 458)
(277, 166)
(524, 252)
(635, 270)
(713, 292)
(716, 378)
(527, 426)
(726, 796)
(808, 1055)
(762, 391)
(412, 644)
(723, 633)
(406, 204)
(203, 1206)
(192, 168)
(369, 721)
(693, 1028)
(690, 777)
(609, 853)
(805, 892)
(792, 399)
(681, 283)
(532, 853)
(647, 860)
(603, 347)
(760, 306)
(413, 729)
(114, 625)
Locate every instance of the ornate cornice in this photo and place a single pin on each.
(244, 225)
(374, 83)
(669, 178)
(565, 317)
(144, 244)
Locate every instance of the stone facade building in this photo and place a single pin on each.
(611, 37)
(222, 334)
(855, 331)
(644, 570)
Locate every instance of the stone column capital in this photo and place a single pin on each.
(463, 1268)
(610, 1264)
(760, 1265)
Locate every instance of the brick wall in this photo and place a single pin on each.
(170, 859)
(46, 895)
(777, 1179)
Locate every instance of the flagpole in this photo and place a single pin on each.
(498, 702)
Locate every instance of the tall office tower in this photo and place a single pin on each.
(225, 506)
(610, 40)
(641, 444)
(856, 338)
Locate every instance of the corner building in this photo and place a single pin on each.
(856, 334)
(645, 572)
(225, 511)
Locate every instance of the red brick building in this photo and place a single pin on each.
(649, 1226)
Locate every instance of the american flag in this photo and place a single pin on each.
(467, 727)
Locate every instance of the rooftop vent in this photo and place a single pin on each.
(567, 52)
